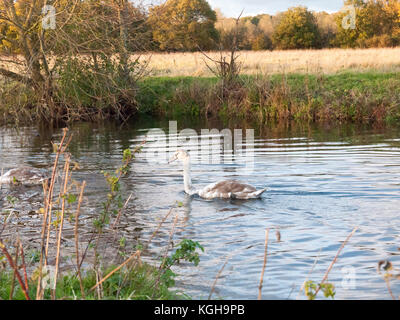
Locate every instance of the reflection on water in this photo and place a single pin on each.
(323, 181)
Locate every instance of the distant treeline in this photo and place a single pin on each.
(191, 25)
(377, 24)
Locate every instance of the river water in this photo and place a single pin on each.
(323, 181)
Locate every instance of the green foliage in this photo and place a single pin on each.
(349, 96)
(261, 42)
(11, 200)
(96, 83)
(137, 283)
(186, 251)
(192, 27)
(377, 24)
(297, 29)
(311, 287)
(114, 201)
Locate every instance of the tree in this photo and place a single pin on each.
(88, 55)
(22, 32)
(183, 25)
(228, 29)
(377, 24)
(327, 27)
(267, 24)
(297, 29)
(261, 42)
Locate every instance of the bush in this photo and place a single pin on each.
(261, 42)
(96, 86)
(382, 41)
(297, 29)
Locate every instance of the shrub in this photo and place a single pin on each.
(93, 86)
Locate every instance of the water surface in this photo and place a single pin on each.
(323, 181)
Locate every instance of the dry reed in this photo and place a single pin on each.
(334, 260)
(264, 264)
(47, 217)
(218, 276)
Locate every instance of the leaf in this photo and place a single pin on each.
(71, 198)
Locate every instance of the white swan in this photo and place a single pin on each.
(228, 189)
(24, 176)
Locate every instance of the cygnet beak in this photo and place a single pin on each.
(173, 158)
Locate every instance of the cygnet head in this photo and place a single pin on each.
(181, 155)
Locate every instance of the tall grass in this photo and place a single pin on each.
(326, 61)
(364, 98)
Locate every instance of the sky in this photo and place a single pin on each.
(232, 8)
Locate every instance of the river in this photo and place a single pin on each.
(323, 180)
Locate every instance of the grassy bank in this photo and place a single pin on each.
(357, 97)
(361, 97)
(136, 284)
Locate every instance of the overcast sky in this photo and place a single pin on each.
(232, 8)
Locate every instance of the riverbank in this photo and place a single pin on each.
(361, 97)
(355, 97)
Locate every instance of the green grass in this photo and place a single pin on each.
(347, 96)
(142, 282)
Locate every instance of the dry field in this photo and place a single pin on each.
(325, 61)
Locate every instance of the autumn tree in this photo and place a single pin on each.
(85, 60)
(22, 32)
(183, 25)
(327, 27)
(377, 24)
(267, 24)
(261, 42)
(297, 29)
(228, 29)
